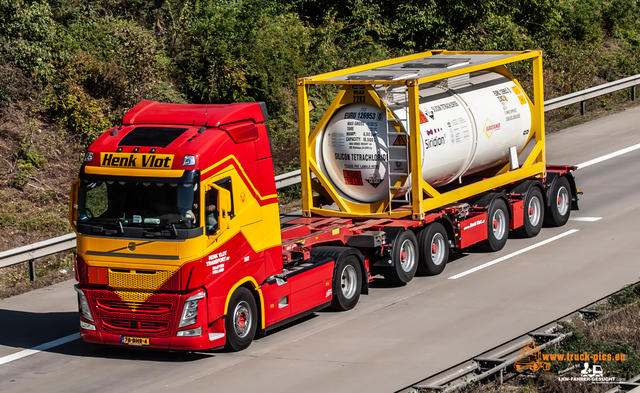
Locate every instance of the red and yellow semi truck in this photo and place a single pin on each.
(180, 244)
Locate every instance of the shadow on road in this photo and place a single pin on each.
(24, 330)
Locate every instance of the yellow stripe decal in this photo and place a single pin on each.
(244, 175)
(256, 287)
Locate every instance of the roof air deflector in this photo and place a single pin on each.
(152, 136)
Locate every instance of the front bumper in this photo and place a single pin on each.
(119, 314)
(202, 342)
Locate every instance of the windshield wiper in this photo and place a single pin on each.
(118, 231)
(174, 231)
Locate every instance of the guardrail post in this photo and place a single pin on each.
(32, 270)
(582, 108)
(633, 93)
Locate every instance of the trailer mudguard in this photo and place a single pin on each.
(336, 253)
(486, 200)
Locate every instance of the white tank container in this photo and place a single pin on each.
(463, 130)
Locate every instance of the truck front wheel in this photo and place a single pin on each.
(241, 320)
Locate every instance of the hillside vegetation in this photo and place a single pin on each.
(71, 69)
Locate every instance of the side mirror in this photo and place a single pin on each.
(73, 204)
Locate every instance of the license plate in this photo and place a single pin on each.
(135, 340)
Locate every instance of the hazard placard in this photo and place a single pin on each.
(400, 141)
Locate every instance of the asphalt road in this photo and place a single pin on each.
(395, 336)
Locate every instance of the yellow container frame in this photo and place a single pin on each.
(424, 196)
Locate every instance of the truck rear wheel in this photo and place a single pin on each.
(434, 249)
(404, 255)
(497, 226)
(241, 320)
(347, 283)
(560, 206)
(533, 214)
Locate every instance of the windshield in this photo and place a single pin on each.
(138, 204)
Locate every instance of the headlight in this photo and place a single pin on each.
(88, 157)
(83, 304)
(190, 332)
(190, 310)
(188, 160)
(87, 326)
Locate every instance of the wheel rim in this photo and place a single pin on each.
(407, 255)
(348, 281)
(242, 319)
(499, 224)
(437, 249)
(563, 201)
(534, 211)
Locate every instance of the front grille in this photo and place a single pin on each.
(145, 280)
(133, 325)
(127, 306)
(155, 316)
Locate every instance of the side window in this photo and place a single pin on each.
(226, 184)
(213, 212)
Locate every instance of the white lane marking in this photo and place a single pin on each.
(39, 348)
(513, 254)
(608, 156)
(586, 219)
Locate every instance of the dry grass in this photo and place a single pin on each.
(614, 325)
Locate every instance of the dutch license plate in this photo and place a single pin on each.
(135, 340)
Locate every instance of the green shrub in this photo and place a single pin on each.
(27, 33)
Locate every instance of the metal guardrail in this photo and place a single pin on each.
(37, 250)
(593, 92)
(67, 242)
(288, 179)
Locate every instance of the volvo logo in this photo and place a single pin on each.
(131, 246)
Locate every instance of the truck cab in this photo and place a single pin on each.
(174, 210)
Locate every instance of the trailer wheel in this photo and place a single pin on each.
(404, 255)
(241, 320)
(434, 249)
(533, 214)
(346, 284)
(497, 226)
(560, 206)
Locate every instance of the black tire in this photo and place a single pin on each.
(497, 226)
(433, 244)
(560, 203)
(241, 321)
(404, 255)
(533, 212)
(347, 283)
